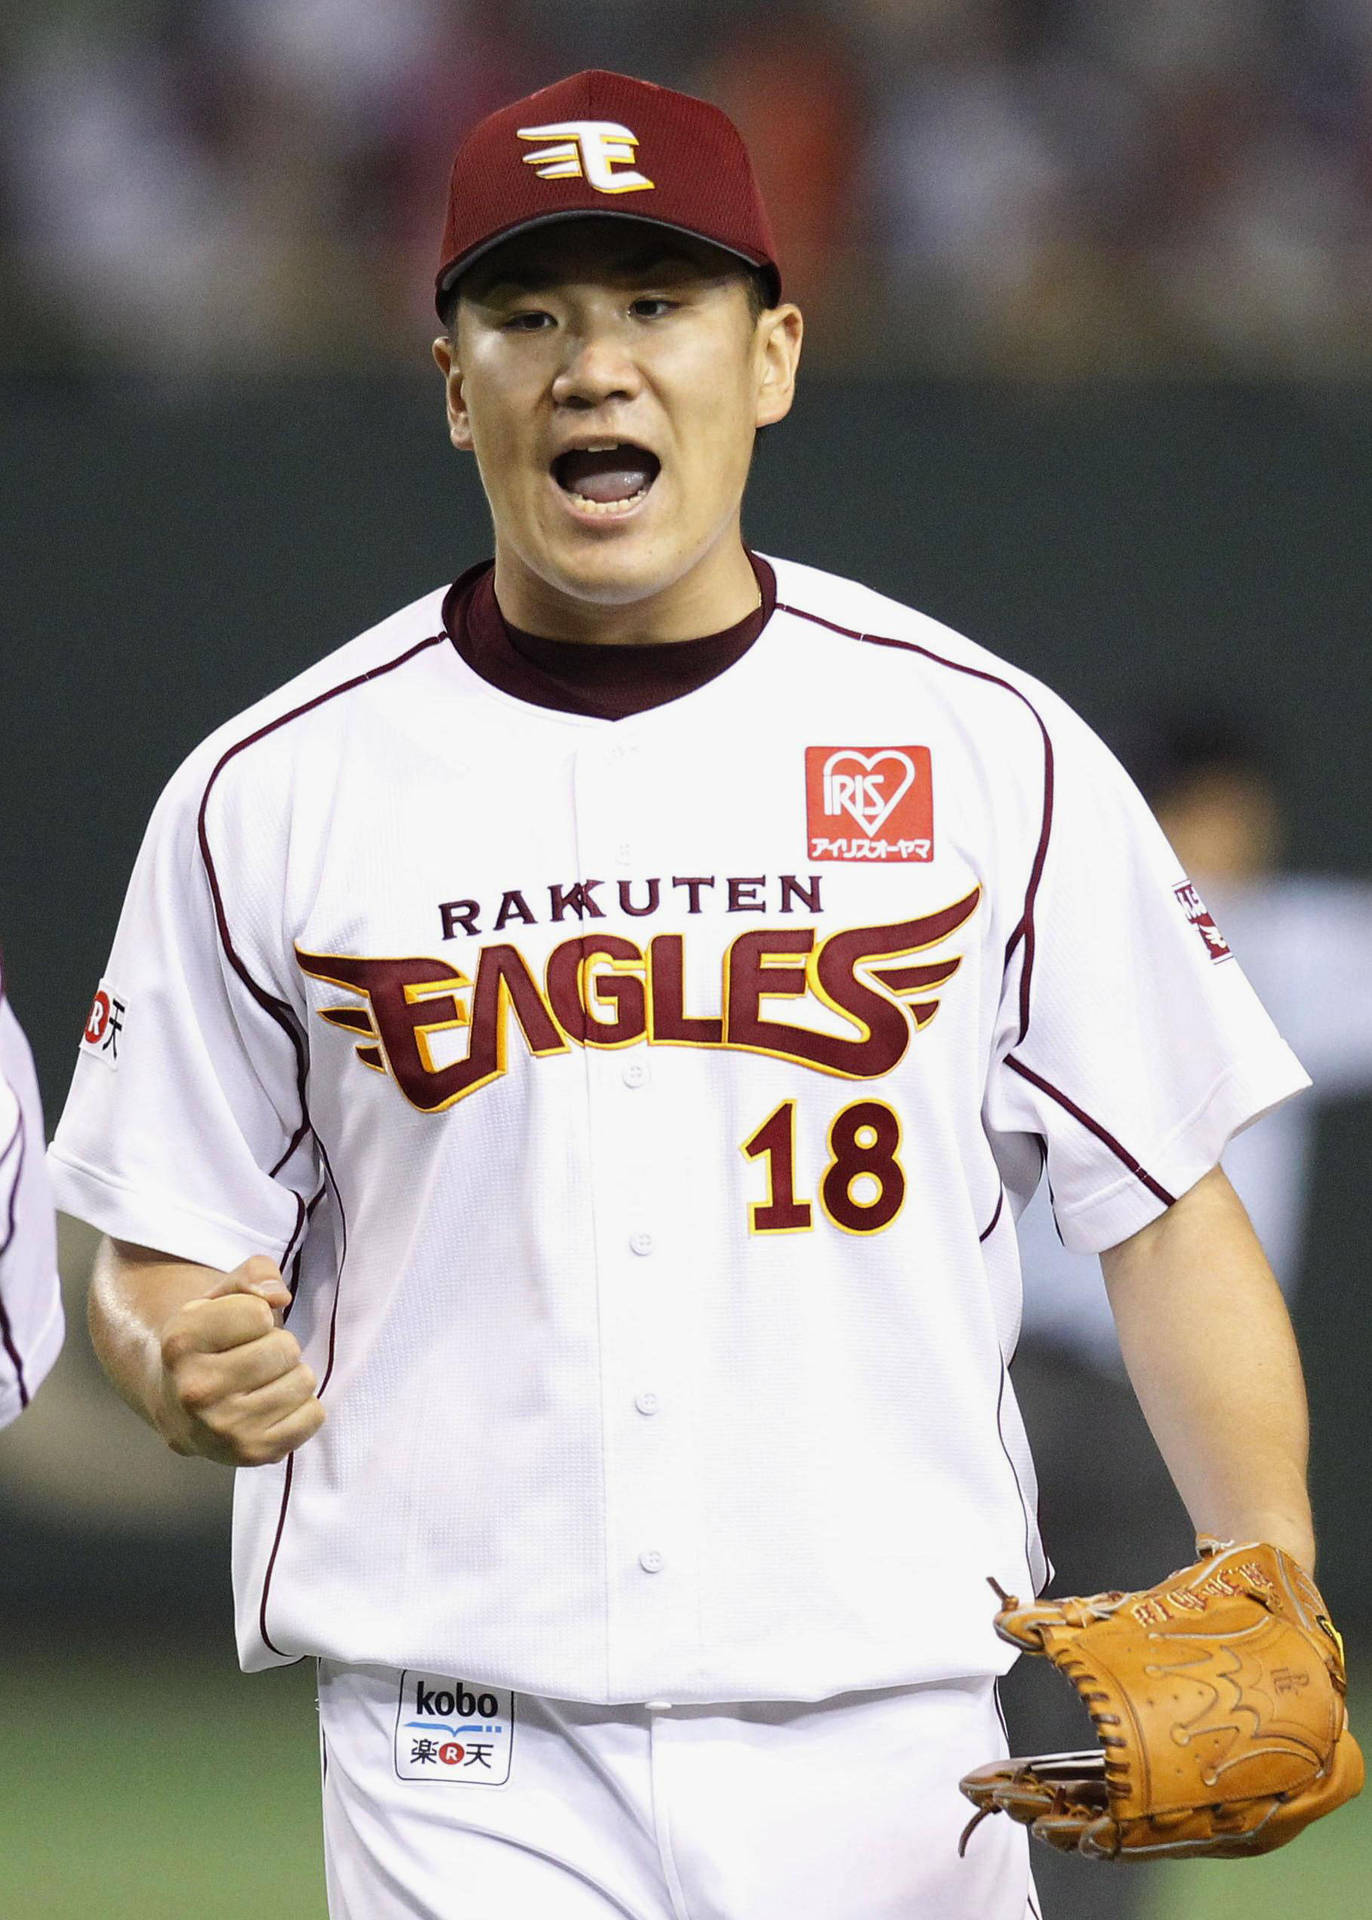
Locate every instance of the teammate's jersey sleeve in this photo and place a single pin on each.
(1129, 1040)
(184, 1130)
(31, 1324)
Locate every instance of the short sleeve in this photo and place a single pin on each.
(1129, 1040)
(31, 1323)
(185, 1129)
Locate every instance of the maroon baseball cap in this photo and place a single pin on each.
(602, 143)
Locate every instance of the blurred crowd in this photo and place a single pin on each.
(1037, 186)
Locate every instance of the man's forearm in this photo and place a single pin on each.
(1210, 1351)
(134, 1294)
(201, 1356)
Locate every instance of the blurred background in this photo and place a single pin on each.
(1033, 186)
(1089, 292)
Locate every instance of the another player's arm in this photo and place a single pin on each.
(200, 1356)
(1210, 1351)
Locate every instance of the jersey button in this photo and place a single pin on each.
(647, 1403)
(635, 1074)
(651, 1560)
(641, 1243)
(624, 853)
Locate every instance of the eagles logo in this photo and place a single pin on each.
(604, 990)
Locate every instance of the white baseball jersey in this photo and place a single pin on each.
(31, 1325)
(639, 1108)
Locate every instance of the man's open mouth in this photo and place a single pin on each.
(609, 476)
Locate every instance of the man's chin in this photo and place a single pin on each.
(618, 578)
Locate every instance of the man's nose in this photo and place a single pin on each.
(597, 367)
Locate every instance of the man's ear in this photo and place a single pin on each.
(459, 426)
(780, 331)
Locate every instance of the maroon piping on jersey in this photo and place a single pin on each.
(288, 1479)
(285, 1019)
(306, 1215)
(1032, 1530)
(7, 1339)
(1092, 1126)
(300, 1212)
(986, 1233)
(1024, 929)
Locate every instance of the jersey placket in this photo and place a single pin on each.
(642, 1258)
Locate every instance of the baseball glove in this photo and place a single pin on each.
(1218, 1699)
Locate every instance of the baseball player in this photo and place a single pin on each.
(31, 1324)
(584, 1044)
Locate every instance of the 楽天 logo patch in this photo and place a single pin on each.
(104, 1027)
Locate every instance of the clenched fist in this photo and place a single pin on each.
(234, 1387)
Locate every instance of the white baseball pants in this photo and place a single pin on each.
(446, 1802)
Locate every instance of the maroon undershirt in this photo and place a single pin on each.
(575, 676)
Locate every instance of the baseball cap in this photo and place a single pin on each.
(602, 143)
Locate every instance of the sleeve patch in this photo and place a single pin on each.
(1203, 921)
(105, 1023)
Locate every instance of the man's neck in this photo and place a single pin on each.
(709, 598)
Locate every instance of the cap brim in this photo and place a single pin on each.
(450, 275)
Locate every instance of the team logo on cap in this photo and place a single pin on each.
(600, 152)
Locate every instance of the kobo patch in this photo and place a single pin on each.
(452, 1730)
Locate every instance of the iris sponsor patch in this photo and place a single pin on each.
(869, 803)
